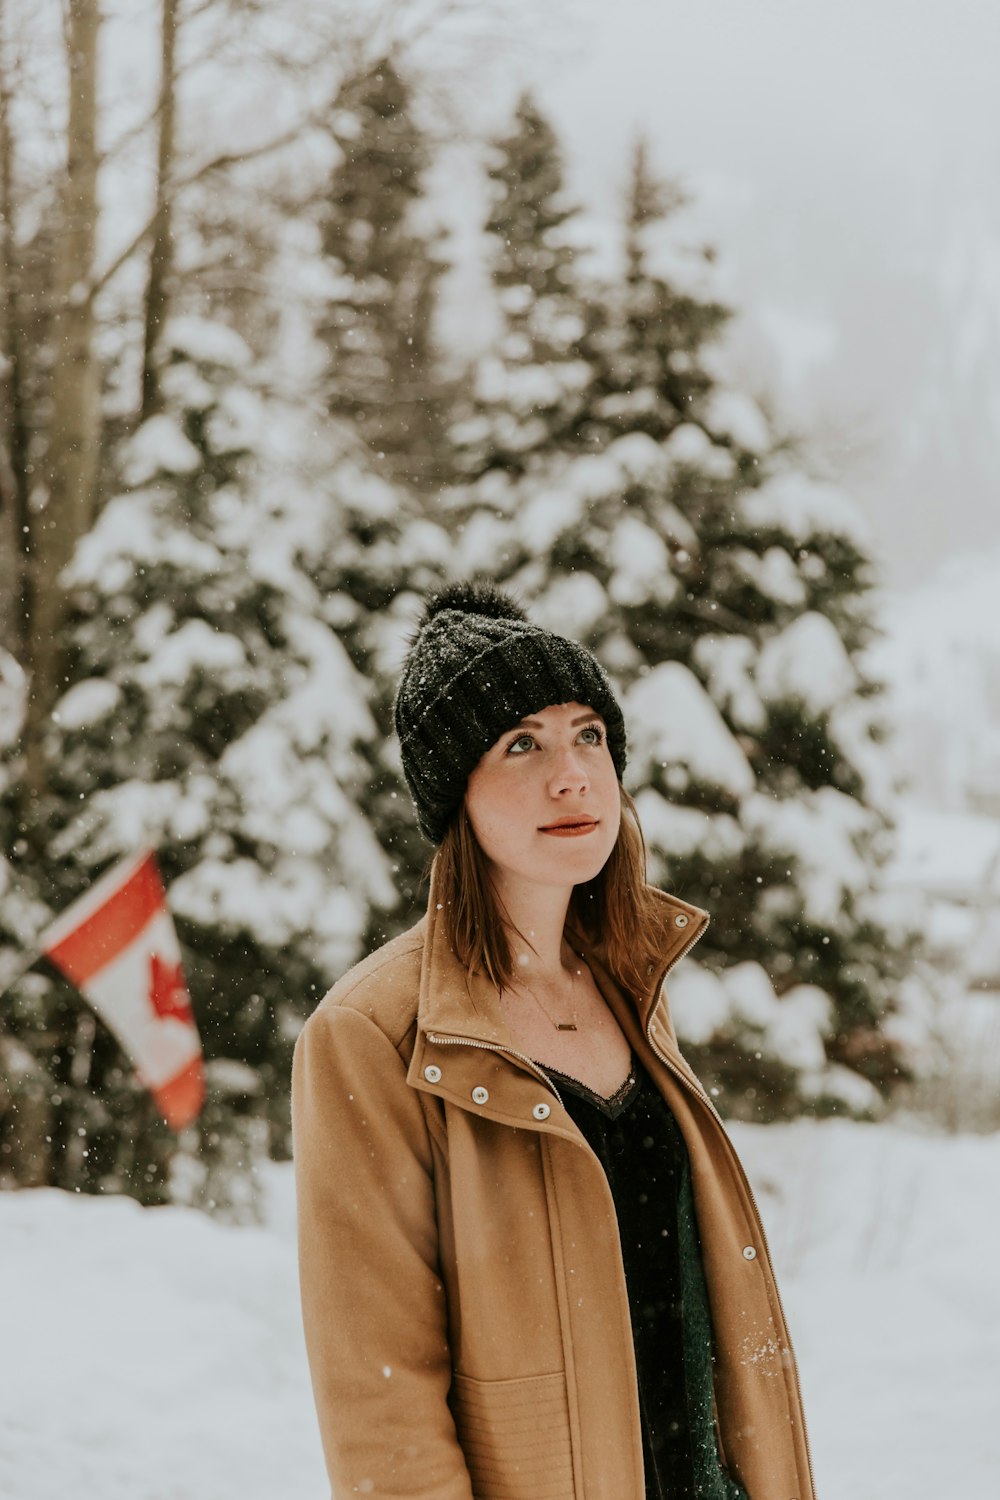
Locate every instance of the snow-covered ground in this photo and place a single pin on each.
(153, 1354)
(884, 1244)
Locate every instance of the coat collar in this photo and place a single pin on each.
(455, 1003)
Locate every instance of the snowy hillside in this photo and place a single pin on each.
(153, 1354)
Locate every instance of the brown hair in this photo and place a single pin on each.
(612, 911)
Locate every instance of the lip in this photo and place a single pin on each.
(571, 827)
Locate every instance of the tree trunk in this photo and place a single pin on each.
(74, 432)
(13, 436)
(161, 259)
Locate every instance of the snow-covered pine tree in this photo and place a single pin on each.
(809, 718)
(213, 713)
(341, 261)
(646, 344)
(369, 562)
(530, 388)
(383, 373)
(668, 529)
(30, 1142)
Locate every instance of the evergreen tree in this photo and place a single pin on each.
(370, 564)
(213, 713)
(668, 528)
(647, 342)
(531, 387)
(383, 272)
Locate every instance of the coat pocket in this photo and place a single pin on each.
(515, 1436)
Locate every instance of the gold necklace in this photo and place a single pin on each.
(559, 1025)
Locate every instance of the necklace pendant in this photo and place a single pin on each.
(565, 1025)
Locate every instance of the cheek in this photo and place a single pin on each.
(610, 792)
(611, 806)
(485, 808)
(500, 814)
(613, 820)
(489, 831)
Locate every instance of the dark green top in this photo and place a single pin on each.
(640, 1146)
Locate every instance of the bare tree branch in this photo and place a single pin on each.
(394, 32)
(217, 164)
(181, 70)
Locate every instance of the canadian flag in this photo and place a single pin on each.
(117, 944)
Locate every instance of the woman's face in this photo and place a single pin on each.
(554, 766)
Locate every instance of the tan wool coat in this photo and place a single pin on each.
(464, 1301)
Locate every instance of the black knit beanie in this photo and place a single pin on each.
(477, 666)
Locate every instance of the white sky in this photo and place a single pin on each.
(846, 163)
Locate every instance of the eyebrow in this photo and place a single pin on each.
(535, 724)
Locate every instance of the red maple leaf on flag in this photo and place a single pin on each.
(167, 991)
(116, 942)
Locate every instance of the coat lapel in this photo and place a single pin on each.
(461, 1006)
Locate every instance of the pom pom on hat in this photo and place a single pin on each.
(477, 665)
(474, 599)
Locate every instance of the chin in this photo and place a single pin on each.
(580, 865)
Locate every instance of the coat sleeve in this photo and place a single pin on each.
(373, 1303)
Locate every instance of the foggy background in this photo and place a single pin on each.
(845, 160)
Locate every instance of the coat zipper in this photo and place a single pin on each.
(704, 1099)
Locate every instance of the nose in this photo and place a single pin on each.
(569, 773)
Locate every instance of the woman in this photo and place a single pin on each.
(531, 1265)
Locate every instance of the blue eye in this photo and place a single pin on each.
(594, 729)
(514, 743)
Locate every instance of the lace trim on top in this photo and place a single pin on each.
(613, 1104)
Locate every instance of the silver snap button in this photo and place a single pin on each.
(432, 1073)
(749, 1253)
(480, 1095)
(680, 920)
(541, 1111)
